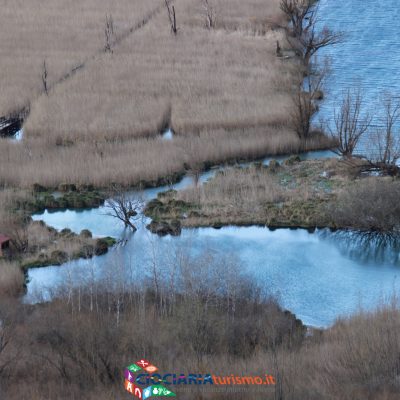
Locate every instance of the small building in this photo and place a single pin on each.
(4, 244)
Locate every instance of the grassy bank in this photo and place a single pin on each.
(307, 194)
(46, 246)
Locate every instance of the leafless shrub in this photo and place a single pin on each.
(350, 122)
(303, 111)
(385, 151)
(371, 205)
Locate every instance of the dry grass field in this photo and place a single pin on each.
(65, 33)
(195, 80)
(131, 161)
(223, 91)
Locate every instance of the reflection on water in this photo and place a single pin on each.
(368, 247)
(99, 225)
(310, 272)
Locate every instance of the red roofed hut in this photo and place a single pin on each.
(4, 244)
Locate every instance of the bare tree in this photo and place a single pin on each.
(313, 40)
(109, 33)
(303, 34)
(124, 207)
(350, 122)
(304, 103)
(300, 13)
(171, 16)
(44, 78)
(386, 146)
(209, 14)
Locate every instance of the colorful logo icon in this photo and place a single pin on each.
(156, 390)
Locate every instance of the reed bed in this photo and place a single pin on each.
(199, 79)
(130, 161)
(64, 33)
(223, 91)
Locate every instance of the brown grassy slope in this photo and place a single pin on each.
(64, 32)
(200, 79)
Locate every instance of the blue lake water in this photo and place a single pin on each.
(312, 274)
(369, 55)
(317, 275)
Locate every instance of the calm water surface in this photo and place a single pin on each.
(370, 54)
(315, 275)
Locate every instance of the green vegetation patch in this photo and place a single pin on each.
(72, 199)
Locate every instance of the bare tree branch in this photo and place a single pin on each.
(171, 16)
(350, 122)
(124, 207)
(300, 13)
(312, 41)
(302, 33)
(385, 152)
(304, 103)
